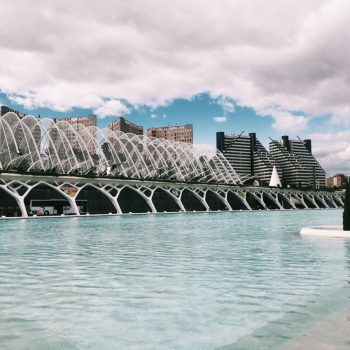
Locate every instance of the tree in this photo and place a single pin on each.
(346, 213)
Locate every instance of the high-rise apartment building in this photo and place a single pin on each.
(121, 124)
(182, 133)
(246, 154)
(293, 159)
(299, 168)
(237, 150)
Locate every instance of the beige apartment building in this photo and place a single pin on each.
(338, 181)
(86, 120)
(89, 120)
(121, 124)
(181, 133)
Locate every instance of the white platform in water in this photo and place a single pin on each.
(325, 231)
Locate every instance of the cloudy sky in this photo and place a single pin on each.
(274, 67)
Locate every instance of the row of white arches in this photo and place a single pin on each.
(126, 198)
(32, 145)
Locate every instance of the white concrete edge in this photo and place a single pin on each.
(325, 231)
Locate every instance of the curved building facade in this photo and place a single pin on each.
(32, 145)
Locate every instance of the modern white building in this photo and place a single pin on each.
(69, 148)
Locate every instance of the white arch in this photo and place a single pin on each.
(338, 199)
(147, 199)
(222, 199)
(321, 199)
(287, 199)
(244, 200)
(44, 145)
(205, 204)
(176, 199)
(18, 199)
(274, 199)
(58, 189)
(260, 200)
(104, 192)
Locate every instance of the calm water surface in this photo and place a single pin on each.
(188, 281)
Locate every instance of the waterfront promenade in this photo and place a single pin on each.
(331, 333)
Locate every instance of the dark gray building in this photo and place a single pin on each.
(298, 167)
(295, 164)
(5, 109)
(247, 155)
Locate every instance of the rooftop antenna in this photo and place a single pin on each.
(300, 140)
(233, 141)
(237, 137)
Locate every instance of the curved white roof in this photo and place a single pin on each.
(41, 145)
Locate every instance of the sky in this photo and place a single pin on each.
(272, 67)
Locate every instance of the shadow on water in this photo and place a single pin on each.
(279, 332)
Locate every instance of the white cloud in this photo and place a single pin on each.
(155, 116)
(332, 151)
(150, 52)
(343, 136)
(294, 58)
(227, 104)
(222, 119)
(284, 120)
(111, 108)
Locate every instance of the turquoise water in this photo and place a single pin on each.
(186, 281)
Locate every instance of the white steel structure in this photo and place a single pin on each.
(31, 145)
(117, 196)
(49, 168)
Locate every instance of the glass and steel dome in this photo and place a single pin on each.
(35, 145)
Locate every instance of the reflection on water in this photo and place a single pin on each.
(187, 281)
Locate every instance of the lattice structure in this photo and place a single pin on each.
(36, 145)
(82, 196)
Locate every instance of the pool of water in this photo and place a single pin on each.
(174, 281)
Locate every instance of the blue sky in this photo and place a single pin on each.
(201, 111)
